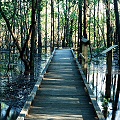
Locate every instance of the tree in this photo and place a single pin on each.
(117, 21)
(58, 42)
(46, 14)
(79, 28)
(29, 64)
(52, 25)
(33, 34)
(39, 27)
(109, 54)
(85, 19)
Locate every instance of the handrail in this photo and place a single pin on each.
(92, 97)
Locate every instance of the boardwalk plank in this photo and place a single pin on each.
(62, 94)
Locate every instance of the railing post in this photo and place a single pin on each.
(85, 43)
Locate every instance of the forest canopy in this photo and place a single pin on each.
(30, 25)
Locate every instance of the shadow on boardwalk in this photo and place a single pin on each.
(62, 94)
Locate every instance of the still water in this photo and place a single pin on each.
(96, 77)
(14, 85)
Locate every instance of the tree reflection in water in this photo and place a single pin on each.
(15, 86)
(97, 80)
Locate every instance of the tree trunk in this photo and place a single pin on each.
(117, 22)
(52, 25)
(85, 47)
(98, 26)
(75, 44)
(29, 64)
(39, 28)
(109, 54)
(94, 25)
(115, 104)
(85, 20)
(66, 24)
(58, 42)
(117, 36)
(79, 44)
(33, 23)
(46, 27)
(71, 33)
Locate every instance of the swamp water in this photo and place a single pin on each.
(96, 77)
(15, 86)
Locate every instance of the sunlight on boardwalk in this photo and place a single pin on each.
(62, 94)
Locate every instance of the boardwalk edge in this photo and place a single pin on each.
(32, 95)
(92, 97)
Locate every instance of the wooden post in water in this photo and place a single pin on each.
(85, 43)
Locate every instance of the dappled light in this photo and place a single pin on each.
(62, 94)
(64, 50)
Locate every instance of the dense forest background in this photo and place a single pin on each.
(27, 26)
(30, 27)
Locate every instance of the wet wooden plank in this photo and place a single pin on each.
(62, 94)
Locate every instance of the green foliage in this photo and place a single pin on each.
(105, 103)
(73, 15)
(42, 4)
(9, 9)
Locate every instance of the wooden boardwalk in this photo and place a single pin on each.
(62, 94)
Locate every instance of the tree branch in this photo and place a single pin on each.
(21, 50)
(10, 29)
(14, 11)
(27, 39)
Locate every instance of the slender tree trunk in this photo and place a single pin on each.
(115, 104)
(39, 28)
(66, 24)
(109, 54)
(32, 49)
(52, 25)
(117, 20)
(98, 25)
(79, 44)
(85, 19)
(71, 33)
(103, 29)
(75, 44)
(118, 37)
(69, 25)
(63, 40)
(94, 25)
(46, 27)
(21, 23)
(90, 32)
(63, 31)
(58, 42)
(85, 46)
(53, 28)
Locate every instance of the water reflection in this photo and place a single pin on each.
(14, 85)
(97, 80)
